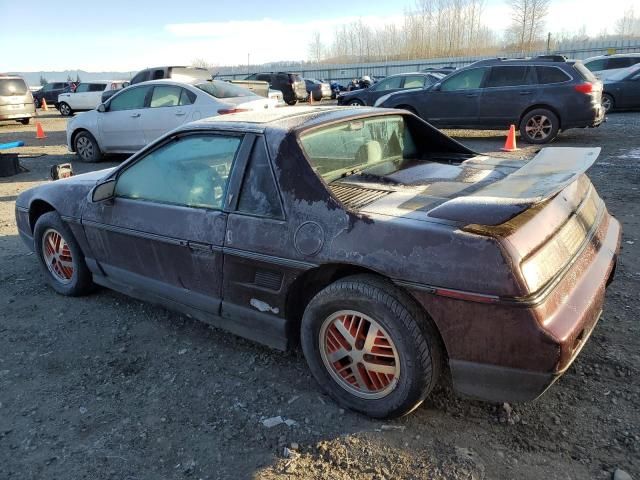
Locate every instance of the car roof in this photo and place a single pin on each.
(286, 118)
(615, 55)
(11, 77)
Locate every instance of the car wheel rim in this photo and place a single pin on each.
(64, 109)
(606, 104)
(84, 147)
(57, 256)
(538, 127)
(359, 354)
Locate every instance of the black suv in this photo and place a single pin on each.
(540, 95)
(291, 85)
(50, 93)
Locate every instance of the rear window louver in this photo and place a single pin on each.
(356, 197)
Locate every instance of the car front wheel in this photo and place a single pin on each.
(539, 126)
(87, 148)
(60, 256)
(65, 109)
(371, 347)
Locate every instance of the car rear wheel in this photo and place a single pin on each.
(60, 256)
(87, 148)
(291, 102)
(539, 126)
(65, 109)
(25, 121)
(371, 347)
(355, 103)
(607, 102)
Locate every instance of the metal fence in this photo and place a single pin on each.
(346, 72)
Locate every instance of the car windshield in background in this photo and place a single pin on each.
(220, 89)
(585, 72)
(375, 145)
(12, 86)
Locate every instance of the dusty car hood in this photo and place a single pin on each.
(481, 190)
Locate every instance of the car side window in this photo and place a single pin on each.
(129, 99)
(191, 171)
(264, 77)
(596, 65)
(388, 84)
(414, 81)
(83, 87)
(259, 193)
(48, 87)
(165, 96)
(618, 62)
(186, 97)
(509, 76)
(548, 75)
(466, 80)
(97, 87)
(158, 74)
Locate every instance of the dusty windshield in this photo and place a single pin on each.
(375, 146)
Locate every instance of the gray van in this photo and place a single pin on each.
(16, 101)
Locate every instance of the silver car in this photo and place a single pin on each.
(139, 114)
(16, 101)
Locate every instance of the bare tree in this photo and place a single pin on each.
(316, 48)
(527, 22)
(628, 25)
(201, 63)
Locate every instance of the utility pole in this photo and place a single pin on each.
(248, 57)
(549, 42)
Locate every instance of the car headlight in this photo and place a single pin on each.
(381, 100)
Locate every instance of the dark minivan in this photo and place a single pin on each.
(291, 85)
(50, 93)
(542, 96)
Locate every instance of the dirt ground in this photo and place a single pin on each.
(105, 387)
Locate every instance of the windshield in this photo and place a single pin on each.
(12, 86)
(622, 74)
(374, 145)
(220, 89)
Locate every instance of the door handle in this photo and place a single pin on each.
(198, 246)
(135, 115)
(179, 114)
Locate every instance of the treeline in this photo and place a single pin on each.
(448, 28)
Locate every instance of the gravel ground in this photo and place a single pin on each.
(105, 387)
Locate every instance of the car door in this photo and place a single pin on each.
(628, 95)
(388, 85)
(169, 107)
(456, 101)
(508, 91)
(94, 95)
(77, 99)
(119, 125)
(161, 235)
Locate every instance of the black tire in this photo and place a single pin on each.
(608, 103)
(79, 282)
(539, 126)
(65, 109)
(86, 147)
(25, 121)
(355, 103)
(291, 101)
(410, 331)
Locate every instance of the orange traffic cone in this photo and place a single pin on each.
(39, 131)
(510, 144)
(43, 104)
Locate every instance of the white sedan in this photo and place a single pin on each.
(143, 112)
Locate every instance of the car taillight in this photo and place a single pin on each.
(584, 87)
(225, 111)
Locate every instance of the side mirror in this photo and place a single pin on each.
(101, 108)
(103, 191)
(436, 87)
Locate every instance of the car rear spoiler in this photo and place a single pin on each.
(548, 173)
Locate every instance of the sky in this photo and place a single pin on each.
(130, 35)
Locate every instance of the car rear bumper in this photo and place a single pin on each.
(514, 350)
(14, 112)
